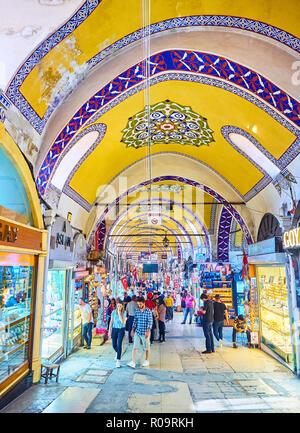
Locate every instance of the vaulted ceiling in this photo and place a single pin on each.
(202, 95)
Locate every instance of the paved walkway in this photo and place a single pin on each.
(180, 379)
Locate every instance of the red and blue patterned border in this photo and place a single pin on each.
(88, 7)
(223, 235)
(227, 74)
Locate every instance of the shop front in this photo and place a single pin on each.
(291, 243)
(270, 300)
(23, 248)
(217, 279)
(57, 292)
(79, 275)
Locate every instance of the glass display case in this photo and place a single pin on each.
(15, 317)
(52, 330)
(274, 310)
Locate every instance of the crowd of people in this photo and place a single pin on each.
(143, 312)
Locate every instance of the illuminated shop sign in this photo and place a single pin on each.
(291, 239)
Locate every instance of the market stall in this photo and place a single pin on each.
(57, 293)
(269, 295)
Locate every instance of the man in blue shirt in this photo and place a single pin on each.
(141, 328)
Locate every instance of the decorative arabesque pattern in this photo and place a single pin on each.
(218, 197)
(223, 235)
(13, 91)
(167, 122)
(206, 64)
(100, 235)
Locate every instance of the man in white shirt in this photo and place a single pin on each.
(87, 322)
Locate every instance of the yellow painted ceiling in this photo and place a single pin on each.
(114, 19)
(217, 105)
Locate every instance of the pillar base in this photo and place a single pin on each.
(36, 370)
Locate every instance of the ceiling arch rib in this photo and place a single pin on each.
(194, 216)
(81, 20)
(179, 179)
(125, 230)
(186, 63)
(180, 227)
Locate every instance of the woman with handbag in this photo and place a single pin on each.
(117, 330)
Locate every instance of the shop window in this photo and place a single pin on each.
(274, 310)
(52, 330)
(14, 203)
(297, 279)
(15, 314)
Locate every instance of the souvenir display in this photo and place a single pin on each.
(15, 301)
(217, 280)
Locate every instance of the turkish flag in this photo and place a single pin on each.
(124, 282)
(245, 270)
(168, 280)
(134, 274)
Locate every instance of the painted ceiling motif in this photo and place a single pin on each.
(167, 122)
(218, 117)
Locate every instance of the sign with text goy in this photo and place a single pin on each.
(291, 239)
(61, 242)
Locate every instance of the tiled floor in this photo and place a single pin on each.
(180, 379)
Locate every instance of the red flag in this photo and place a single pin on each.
(134, 274)
(245, 270)
(124, 282)
(168, 280)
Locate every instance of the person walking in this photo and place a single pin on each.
(152, 307)
(178, 302)
(169, 301)
(161, 310)
(140, 332)
(207, 321)
(131, 309)
(126, 299)
(220, 311)
(87, 322)
(183, 303)
(117, 330)
(190, 306)
(110, 309)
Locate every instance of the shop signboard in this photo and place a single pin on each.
(154, 219)
(267, 246)
(200, 258)
(19, 236)
(61, 241)
(291, 239)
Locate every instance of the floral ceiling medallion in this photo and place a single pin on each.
(167, 122)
